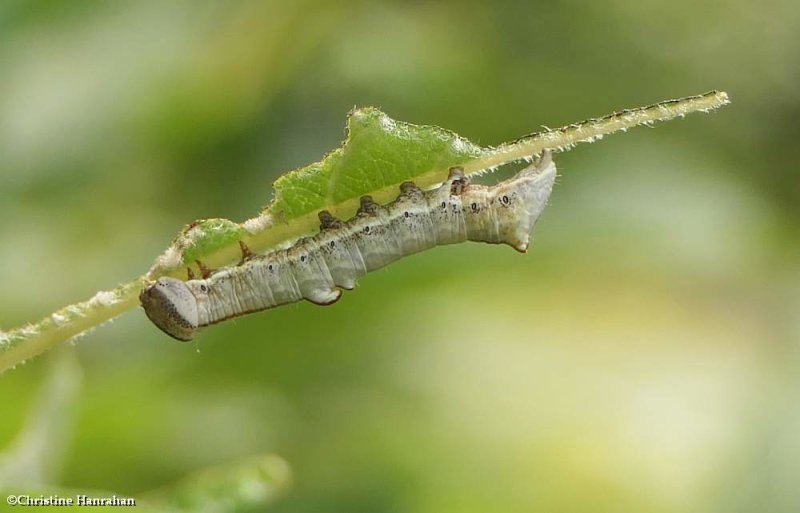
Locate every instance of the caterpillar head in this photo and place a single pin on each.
(170, 304)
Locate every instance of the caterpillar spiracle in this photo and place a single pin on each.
(317, 268)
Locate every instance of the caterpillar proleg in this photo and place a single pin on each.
(317, 268)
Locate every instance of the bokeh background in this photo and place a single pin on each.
(643, 356)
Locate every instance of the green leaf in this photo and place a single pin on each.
(250, 485)
(379, 153)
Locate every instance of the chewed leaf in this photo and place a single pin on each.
(203, 237)
(379, 152)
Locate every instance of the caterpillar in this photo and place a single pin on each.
(317, 268)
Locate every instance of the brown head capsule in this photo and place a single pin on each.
(170, 304)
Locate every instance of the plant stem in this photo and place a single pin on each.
(30, 340)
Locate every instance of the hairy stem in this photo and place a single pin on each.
(27, 341)
(30, 340)
(593, 129)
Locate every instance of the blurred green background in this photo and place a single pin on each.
(643, 356)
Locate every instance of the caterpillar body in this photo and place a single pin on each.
(317, 268)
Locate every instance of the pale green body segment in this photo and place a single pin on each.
(317, 268)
